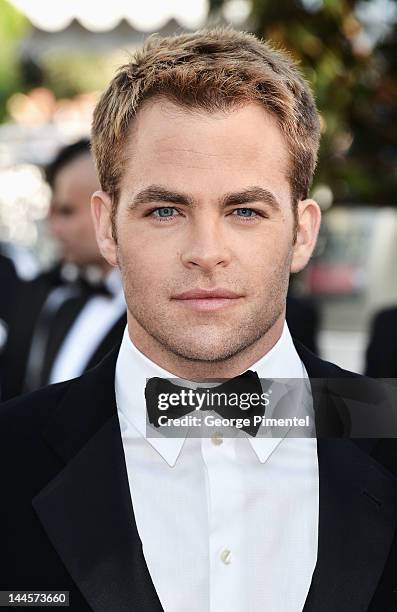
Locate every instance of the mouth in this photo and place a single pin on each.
(207, 299)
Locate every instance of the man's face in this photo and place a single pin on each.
(70, 215)
(205, 206)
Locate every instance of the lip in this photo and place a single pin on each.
(207, 294)
(207, 299)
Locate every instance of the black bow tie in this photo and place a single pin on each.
(236, 388)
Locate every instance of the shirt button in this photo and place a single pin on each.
(217, 439)
(226, 556)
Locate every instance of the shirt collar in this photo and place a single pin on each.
(133, 369)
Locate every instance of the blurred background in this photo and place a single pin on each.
(57, 57)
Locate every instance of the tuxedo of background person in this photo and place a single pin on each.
(67, 521)
(8, 285)
(303, 319)
(9, 282)
(41, 339)
(381, 355)
(29, 297)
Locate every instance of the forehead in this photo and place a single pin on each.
(169, 144)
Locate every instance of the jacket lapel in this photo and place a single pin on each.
(86, 510)
(357, 496)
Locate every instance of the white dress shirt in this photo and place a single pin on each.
(92, 324)
(226, 523)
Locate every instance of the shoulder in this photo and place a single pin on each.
(26, 460)
(320, 368)
(38, 287)
(349, 386)
(31, 411)
(74, 408)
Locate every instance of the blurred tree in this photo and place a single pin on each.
(12, 27)
(73, 73)
(355, 87)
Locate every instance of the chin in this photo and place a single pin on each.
(211, 352)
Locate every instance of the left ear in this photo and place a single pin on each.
(308, 220)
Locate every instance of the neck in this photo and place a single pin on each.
(196, 370)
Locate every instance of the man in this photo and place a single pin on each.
(381, 354)
(81, 297)
(205, 145)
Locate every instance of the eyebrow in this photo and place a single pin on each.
(251, 195)
(159, 194)
(155, 193)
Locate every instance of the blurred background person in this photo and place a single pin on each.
(381, 355)
(70, 316)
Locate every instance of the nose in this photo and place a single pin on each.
(206, 246)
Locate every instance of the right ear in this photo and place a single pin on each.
(101, 209)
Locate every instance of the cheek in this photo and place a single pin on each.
(144, 262)
(267, 249)
(272, 268)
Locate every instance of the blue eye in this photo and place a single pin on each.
(164, 212)
(245, 212)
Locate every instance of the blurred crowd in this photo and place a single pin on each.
(65, 320)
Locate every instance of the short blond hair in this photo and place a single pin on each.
(212, 69)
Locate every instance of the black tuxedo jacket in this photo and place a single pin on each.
(67, 522)
(9, 282)
(381, 357)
